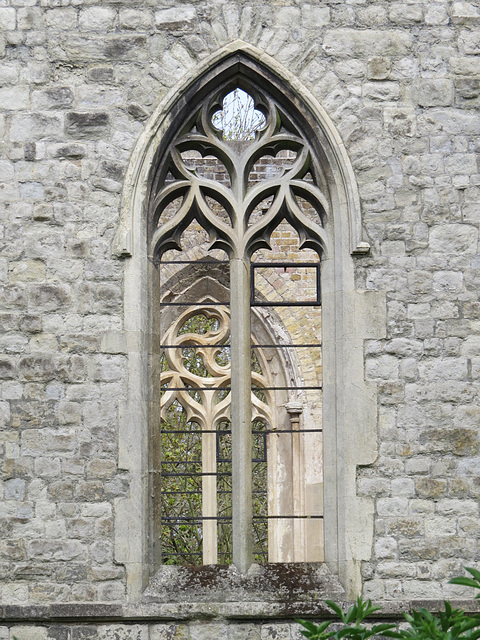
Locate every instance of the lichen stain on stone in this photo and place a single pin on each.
(279, 583)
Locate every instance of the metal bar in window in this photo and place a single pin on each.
(199, 262)
(286, 346)
(285, 388)
(181, 461)
(288, 517)
(196, 431)
(195, 346)
(199, 491)
(167, 554)
(286, 304)
(227, 346)
(306, 388)
(189, 304)
(267, 431)
(194, 475)
(199, 519)
(279, 431)
(286, 265)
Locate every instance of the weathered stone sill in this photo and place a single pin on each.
(269, 584)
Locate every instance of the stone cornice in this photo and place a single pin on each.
(93, 613)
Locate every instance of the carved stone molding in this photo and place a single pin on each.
(236, 233)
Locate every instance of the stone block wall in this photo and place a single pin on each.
(164, 631)
(79, 80)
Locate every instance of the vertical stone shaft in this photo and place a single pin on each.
(241, 412)
(209, 498)
(295, 410)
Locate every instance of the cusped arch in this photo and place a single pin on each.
(244, 66)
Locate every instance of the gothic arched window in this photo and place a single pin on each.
(236, 222)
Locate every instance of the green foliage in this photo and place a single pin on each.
(469, 582)
(450, 624)
(352, 627)
(181, 494)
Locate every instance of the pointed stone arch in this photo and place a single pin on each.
(347, 320)
(238, 60)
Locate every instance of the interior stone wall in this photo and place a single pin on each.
(79, 80)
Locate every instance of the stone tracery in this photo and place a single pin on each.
(210, 408)
(238, 236)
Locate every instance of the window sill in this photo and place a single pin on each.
(266, 590)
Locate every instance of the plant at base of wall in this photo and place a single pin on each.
(474, 581)
(352, 627)
(451, 624)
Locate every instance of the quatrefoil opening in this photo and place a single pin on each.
(238, 120)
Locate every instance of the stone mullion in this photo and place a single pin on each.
(241, 411)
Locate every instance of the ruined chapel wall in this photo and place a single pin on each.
(78, 82)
